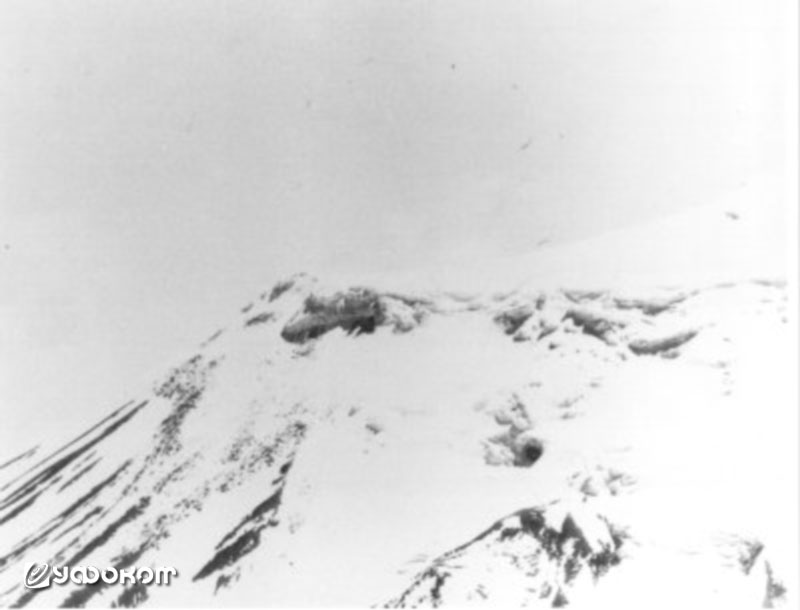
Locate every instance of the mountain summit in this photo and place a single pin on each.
(567, 439)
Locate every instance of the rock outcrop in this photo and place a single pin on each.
(531, 558)
(330, 444)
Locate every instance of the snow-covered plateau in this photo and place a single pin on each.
(609, 423)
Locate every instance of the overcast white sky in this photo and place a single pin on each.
(161, 162)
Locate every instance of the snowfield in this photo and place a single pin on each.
(610, 423)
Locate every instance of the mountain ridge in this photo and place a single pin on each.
(349, 443)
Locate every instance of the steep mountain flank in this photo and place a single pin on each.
(348, 437)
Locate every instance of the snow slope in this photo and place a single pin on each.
(609, 423)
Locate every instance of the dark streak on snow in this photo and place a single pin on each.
(17, 458)
(92, 513)
(131, 597)
(59, 520)
(261, 318)
(246, 536)
(47, 477)
(111, 416)
(80, 596)
(245, 542)
(79, 475)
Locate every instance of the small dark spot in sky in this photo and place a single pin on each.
(561, 135)
(526, 145)
(452, 66)
(732, 215)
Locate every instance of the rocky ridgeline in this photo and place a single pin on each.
(116, 495)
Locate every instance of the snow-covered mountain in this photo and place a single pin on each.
(609, 424)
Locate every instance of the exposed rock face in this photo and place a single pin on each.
(522, 560)
(663, 344)
(327, 446)
(512, 319)
(359, 310)
(593, 324)
(356, 311)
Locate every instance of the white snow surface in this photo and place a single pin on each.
(385, 450)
